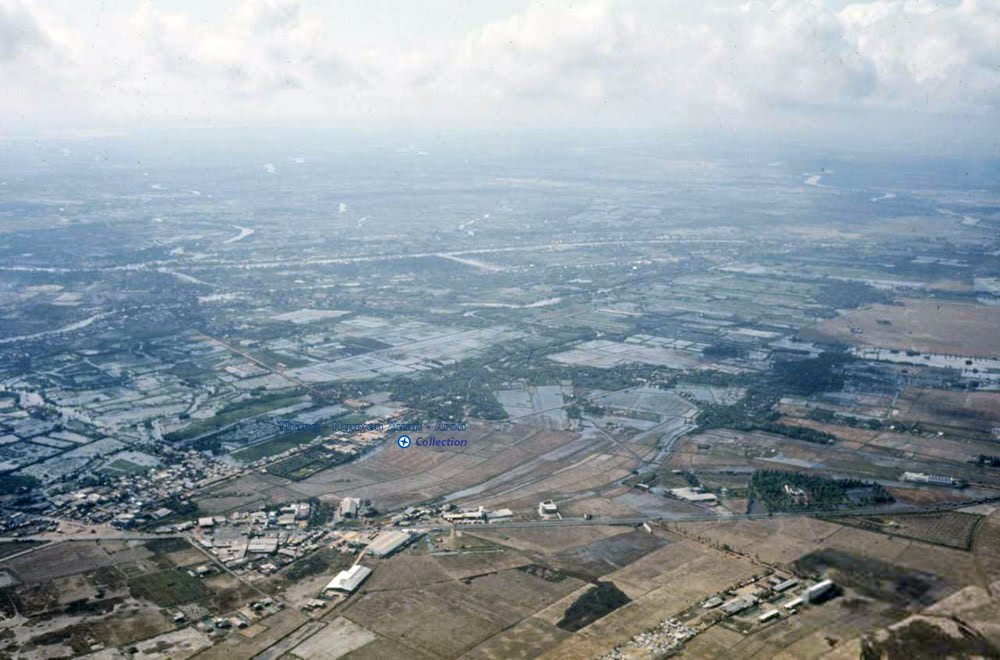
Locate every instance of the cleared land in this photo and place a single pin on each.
(919, 325)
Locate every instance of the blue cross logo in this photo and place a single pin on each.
(404, 441)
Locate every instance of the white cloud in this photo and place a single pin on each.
(600, 62)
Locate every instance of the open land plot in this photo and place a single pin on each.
(605, 354)
(648, 403)
(442, 620)
(527, 639)
(588, 474)
(723, 450)
(266, 633)
(775, 540)
(594, 560)
(541, 405)
(180, 644)
(661, 584)
(919, 325)
(67, 558)
(721, 396)
(978, 411)
(540, 540)
(479, 562)
(248, 492)
(986, 548)
(952, 529)
(337, 638)
(492, 462)
(417, 350)
(74, 635)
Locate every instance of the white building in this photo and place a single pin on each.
(466, 517)
(387, 543)
(547, 508)
(818, 590)
(930, 479)
(348, 581)
(694, 495)
(349, 507)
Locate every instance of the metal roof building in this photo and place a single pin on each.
(387, 543)
(348, 581)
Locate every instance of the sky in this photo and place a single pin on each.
(925, 65)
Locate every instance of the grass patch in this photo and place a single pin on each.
(168, 588)
(234, 412)
(13, 547)
(274, 446)
(307, 463)
(166, 545)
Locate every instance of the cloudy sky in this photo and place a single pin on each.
(84, 63)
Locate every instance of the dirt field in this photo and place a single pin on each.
(499, 467)
(920, 325)
(978, 411)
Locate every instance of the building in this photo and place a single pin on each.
(500, 514)
(932, 479)
(547, 508)
(794, 604)
(786, 585)
(387, 543)
(466, 517)
(768, 616)
(348, 581)
(797, 495)
(712, 603)
(818, 590)
(737, 605)
(694, 495)
(300, 510)
(263, 545)
(349, 507)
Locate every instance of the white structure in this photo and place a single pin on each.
(818, 590)
(786, 585)
(547, 508)
(767, 616)
(694, 495)
(348, 581)
(930, 479)
(387, 543)
(349, 507)
(500, 514)
(793, 604)
(466, 517)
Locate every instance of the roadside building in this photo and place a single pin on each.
(547, 508)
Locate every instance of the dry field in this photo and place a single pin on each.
(919, 325)
(976, 411)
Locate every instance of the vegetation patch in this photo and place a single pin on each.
(307, 463)
(168, 588)
(275, 446)
(595, 603)
(778, 490)
(168, 544)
